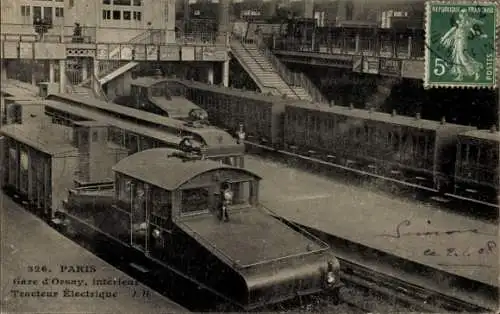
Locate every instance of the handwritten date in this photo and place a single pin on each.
(489, 248)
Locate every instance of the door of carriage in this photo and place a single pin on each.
(139, 237)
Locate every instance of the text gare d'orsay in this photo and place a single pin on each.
(67, 281)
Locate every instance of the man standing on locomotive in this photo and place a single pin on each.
(226, 196)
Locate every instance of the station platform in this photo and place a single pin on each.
(44, 272)
(415, 231)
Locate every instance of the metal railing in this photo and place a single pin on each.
(239, 44)
(56, 34)
(291, 78)
(97, 88)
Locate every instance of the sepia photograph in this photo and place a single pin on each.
(232, 156)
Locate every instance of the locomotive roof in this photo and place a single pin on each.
(158, 167)
(147, 81)
(376, 116)
(176, 106)
(210, 135)
(44, 136)
(235, 92)
(483, 135)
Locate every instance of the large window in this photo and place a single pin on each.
(127, 15)
(59, 12)
(106, 14)
(117, 15)
(195, 200)
(137, 16)
(25, 10)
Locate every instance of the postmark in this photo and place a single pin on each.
(460, 47)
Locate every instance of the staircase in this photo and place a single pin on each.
(260, 69)
(108, 70)
(93, 92)
(270, 74)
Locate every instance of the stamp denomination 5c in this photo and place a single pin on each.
(460, 45)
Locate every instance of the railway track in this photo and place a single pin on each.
(397, 286)
(365, 289)
(470, 207)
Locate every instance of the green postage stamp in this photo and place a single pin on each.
(460, 46)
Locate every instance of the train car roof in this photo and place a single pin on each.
(235, 92)
(49, 138)
(159, 167)
(483, 134)
(375, 116)
(115, 122)
(210, 135)
(176, 106)
(147, 81)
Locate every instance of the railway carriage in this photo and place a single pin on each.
(36, 172)
(216, 143)
(411, 149)
(165, 210)
(476, 168)
(261, 115)
(152, 94)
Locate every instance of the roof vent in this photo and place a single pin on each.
(443, 120)
(417, 116)
(372, 109)
(351, 106)
(332, 103)
(493, 128)
(394, 112)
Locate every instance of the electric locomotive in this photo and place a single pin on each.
(202, 218)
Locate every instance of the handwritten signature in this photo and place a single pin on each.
(489, 248)
(406, 223)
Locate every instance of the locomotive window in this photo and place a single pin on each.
(157, 91)
(23, 169)
(195, 200)
(241, 193)
(124, 192)
(464, 154)
(161, 202)
(473, 154)
(13, 166)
